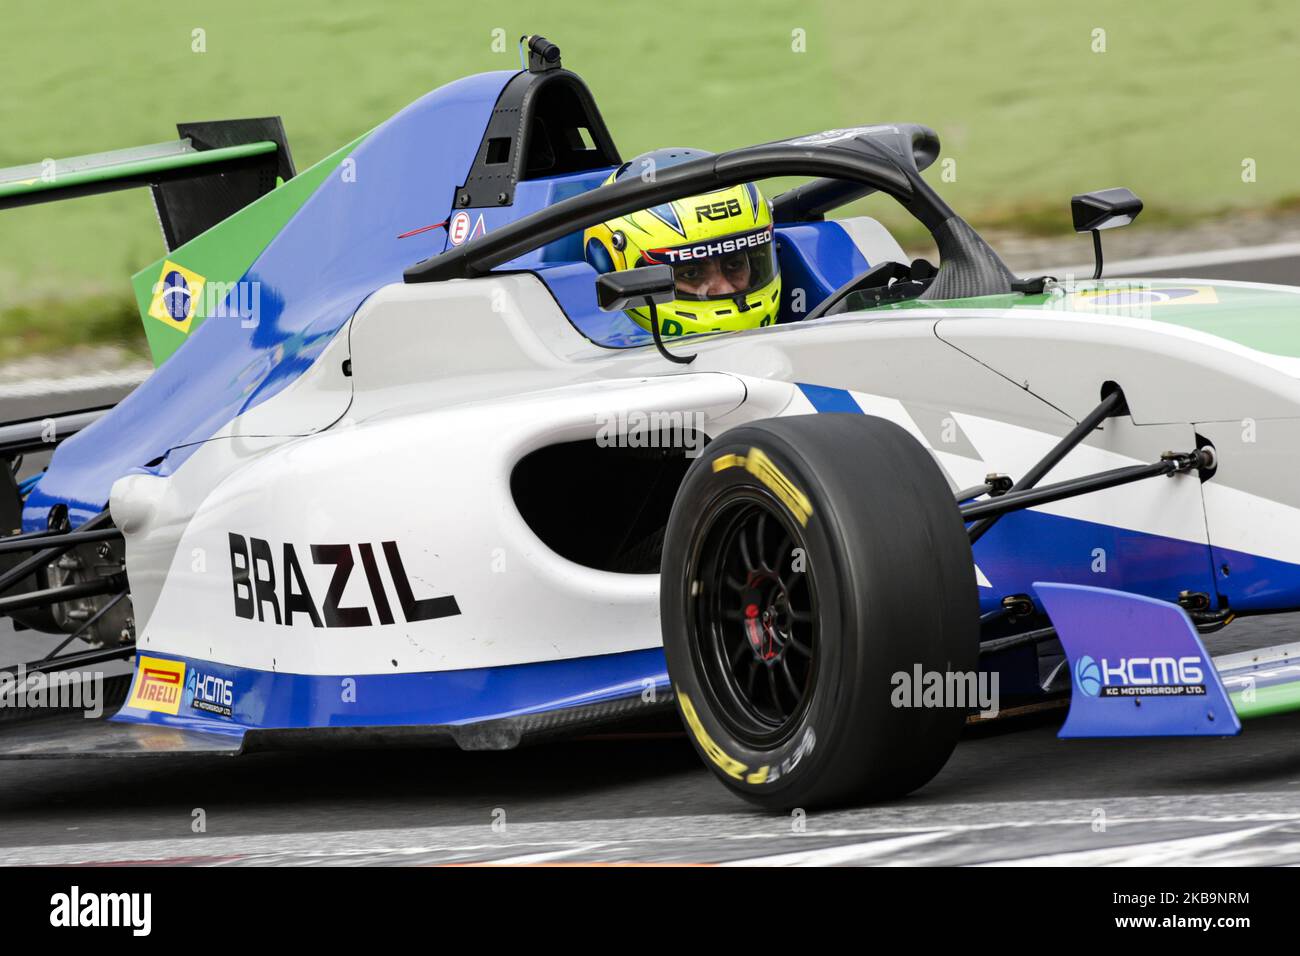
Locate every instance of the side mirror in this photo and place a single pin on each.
(617, 291)
(1103, 209)
(652, 285)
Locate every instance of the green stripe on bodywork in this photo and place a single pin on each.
(1264, 319)
(1261, 317)
(1266, 701)
(123, 164)
(224, 253)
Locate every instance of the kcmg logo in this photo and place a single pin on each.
(1088, 676)
(1140, 676)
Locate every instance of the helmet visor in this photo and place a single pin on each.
(722, 268)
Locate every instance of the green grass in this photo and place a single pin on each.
(1025, 109)
(46, 325)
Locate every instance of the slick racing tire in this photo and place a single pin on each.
(814, 567)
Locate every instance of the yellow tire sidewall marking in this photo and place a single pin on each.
(725, 762)
(758, 464)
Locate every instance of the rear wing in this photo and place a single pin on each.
(214, 170)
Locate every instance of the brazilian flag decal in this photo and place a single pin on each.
(176, 296)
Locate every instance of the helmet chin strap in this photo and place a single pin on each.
(659, 342)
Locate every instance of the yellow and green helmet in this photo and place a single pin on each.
(720, 245)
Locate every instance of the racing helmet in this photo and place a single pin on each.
(720, 245)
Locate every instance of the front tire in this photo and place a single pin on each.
(808, 562)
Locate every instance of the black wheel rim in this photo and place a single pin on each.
(753, 613)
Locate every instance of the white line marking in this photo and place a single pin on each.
(529, 859)
(1156, 853)
(1187, 260)
(41, 387)
(1261, 656)
(845, 853)
(705, 838)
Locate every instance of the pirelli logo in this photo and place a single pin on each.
(724, 761)
(762, 468)
(158, 685)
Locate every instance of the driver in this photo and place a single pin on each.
(719, 244)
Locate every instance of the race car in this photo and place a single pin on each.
(411, 469)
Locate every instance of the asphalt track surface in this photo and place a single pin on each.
(1016, 796)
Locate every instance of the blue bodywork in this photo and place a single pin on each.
(337, 249)
(437, 698)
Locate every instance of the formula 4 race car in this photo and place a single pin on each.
(407, 472)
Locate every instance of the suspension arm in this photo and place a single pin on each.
(1110, 405)
(71, 661)
(59, 545)
(45, 540)
(107, 585)
(1170, 463)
